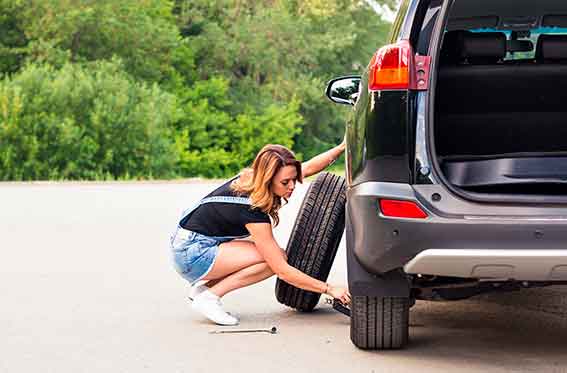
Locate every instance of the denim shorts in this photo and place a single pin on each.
(194, 254)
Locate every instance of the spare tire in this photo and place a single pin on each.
(315, 238)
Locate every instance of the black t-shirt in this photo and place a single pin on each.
(221, 218)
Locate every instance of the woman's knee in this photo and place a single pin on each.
(264, 271)
(267, 269)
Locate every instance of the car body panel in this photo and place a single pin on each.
(389, 147)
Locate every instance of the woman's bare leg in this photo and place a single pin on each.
(211, 283)
(238, 264)
(232, 257)
(245, 277)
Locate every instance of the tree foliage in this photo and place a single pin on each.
(272, 51)
(216, 143)
(141, 33)
(163, 88)
(78, 123)
(12, 36)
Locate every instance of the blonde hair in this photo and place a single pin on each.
(258, 181)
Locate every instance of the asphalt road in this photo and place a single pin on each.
(86, 286)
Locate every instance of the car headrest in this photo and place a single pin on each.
(551, 48)
(473, 47)
(451, 46)
(484, 47)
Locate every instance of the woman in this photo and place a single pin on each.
(208, 243)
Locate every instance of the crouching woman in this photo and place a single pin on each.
(208, 246)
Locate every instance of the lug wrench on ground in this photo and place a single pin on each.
(273, 330)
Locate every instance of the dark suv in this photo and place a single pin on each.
(456, 165)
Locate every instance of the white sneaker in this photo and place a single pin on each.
(196, 289)
(209, 305)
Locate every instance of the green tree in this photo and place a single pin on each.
(79, 123)
(211, 80)
(12, 36)
(214, 143)
(142, 33)
(273, 52)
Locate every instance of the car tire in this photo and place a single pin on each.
(315, 238)
(379, 323)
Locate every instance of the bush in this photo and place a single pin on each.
(79, 123)
(213, 142)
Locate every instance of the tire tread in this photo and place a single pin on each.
(315, 238)
(379, 323)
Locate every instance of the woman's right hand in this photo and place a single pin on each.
(339, 293)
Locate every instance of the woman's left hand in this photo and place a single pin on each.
(342, 145)
(323, 160)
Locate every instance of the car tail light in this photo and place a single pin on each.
(395, 66)
(390, 67)
(401, 209)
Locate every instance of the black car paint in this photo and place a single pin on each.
(378, 139)
(380, 149)
(382, 131)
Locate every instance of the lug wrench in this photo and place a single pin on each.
(338, 306)
(273, 330)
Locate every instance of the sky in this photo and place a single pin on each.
(384, 11)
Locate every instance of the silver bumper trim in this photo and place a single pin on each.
(522, 265)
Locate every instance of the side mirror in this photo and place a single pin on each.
(343, 90)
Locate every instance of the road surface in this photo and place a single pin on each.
(87, 286)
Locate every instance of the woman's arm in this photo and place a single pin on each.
(267, 246)
(322, 161)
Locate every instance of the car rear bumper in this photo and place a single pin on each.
(525, 265)
(526, 246)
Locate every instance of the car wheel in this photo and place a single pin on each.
(315, 238)
(379, 323)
